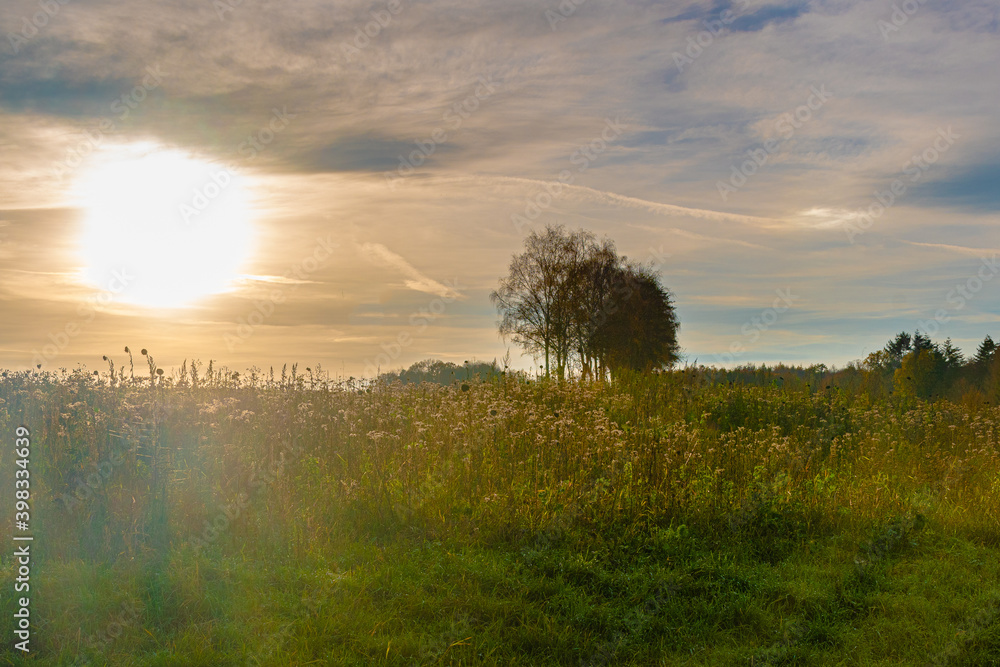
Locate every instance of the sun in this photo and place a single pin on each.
(163, 228)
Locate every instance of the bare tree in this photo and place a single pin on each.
(577, 303)
(535, 298)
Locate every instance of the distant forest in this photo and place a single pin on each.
(908, 366)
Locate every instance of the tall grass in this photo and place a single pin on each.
(149, 478)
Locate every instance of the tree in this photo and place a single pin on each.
(641, 333)
(953, 356)
(442, 372)
(535, 299)
(596, 280)
(985, 352)
(921, 342)
(898, 346)
(575, 302)
(921, 373)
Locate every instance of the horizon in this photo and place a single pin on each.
(258, 186)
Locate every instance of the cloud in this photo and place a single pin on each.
(962, 250)
(614, 199)
(769, 15)
(975, 187)
(378, 253)
(364, 153)
(654, 185)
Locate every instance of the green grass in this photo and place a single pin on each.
(657, 521)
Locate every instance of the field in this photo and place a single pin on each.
(670, 519)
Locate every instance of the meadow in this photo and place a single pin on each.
(682, 518)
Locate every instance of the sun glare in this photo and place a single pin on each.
(162, 228)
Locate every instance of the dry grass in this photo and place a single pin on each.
(225, 508)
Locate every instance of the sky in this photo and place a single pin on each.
(343, 183)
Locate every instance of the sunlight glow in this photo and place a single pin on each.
(163, 228)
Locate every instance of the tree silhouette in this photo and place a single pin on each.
(575, 302)
(536, 298)
(985, 352)
(898, 346)
(921, 342)
(953, 356)
(641, 333)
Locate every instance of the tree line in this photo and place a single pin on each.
(913, 365)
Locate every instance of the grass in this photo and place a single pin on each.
(662, 519)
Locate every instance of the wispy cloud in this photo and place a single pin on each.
(961, 250)
(415, 280)
(358, 117)
(614, 199)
